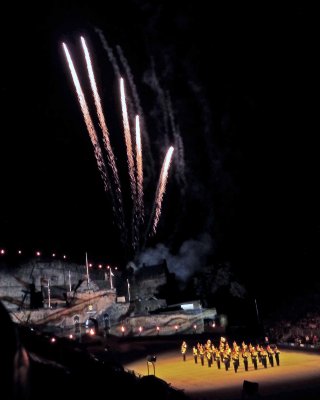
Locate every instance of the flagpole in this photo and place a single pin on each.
(87, 266)
(111, 275)
(69, 281)
(255, 300)
(128, 290)
(49, 294)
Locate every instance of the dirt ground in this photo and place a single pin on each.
(297, 377)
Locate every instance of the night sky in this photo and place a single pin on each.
(242, 86)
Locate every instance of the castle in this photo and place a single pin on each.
(68, 299)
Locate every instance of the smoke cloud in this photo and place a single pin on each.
(191, 256)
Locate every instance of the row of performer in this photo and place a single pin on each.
(226, 354)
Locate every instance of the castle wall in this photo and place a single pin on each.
(169, 323)
(148, 287)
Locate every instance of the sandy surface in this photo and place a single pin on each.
(298, 376)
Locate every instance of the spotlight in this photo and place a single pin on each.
(151, 359)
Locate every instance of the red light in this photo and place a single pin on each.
(52, 340)
(38, 253)
(158, 328)
(100, 266)
(2, 251)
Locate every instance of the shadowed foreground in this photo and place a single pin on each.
(37, 366)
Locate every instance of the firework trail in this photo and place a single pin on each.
(135, 168)
(131, 165)
(137, 102)
(179, 159)
(161, 189)
(109, 51)
(179, 142)
(127, 136)
(153, 81)
(140, 208)
(88, 121)
(116, 68)
(105, 132)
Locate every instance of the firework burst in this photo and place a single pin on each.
(134, 156)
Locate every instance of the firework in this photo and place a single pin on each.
(88, 120)
(127, 136)
(109, 51)
(139, 172)
(161, 189)
(105, 132)
(135, 161)
(137, 104)
(178, 143)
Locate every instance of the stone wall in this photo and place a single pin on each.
(168, 323)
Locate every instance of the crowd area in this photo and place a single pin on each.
(298, 330)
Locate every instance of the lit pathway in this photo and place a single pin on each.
(297, 371)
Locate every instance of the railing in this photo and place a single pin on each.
(300, 346)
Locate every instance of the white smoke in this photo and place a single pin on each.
(191, 256)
